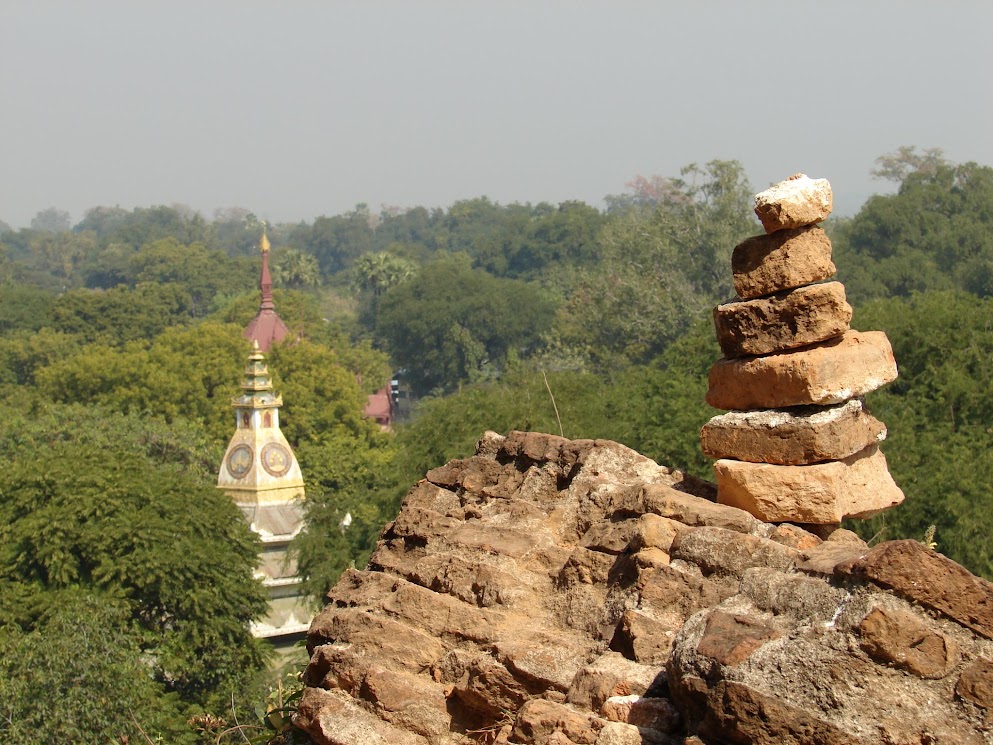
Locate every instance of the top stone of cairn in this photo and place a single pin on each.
(793, 203)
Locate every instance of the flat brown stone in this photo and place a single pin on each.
(765, 264)
(858, 486)
(332, 718)
(538, 721)
(652, 531)
(442, 615)
(824, 558)
(642, 639)
(489, 689)
(396, 644)
(609, 538)
(725, 552)
(739, 713)
(899, 638)
(543, 660)
(505, 541)
(474, 582)
(827, 373)
(792, 437)
(670, 594)
(975, 684)
(731, 639)
(792, 597)
(412, 702)
(923, 576)
(652, 713)
(794, 537)
(785, 320)
(610, 675)
(793, 203)
(683, 508)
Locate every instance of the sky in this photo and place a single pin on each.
(297, 109)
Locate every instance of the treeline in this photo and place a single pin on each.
(120, 350)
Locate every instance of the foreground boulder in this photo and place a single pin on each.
(556, 591)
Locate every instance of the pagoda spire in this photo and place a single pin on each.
(265, 281)
(267, 327)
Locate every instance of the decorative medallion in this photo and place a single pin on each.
(240, 461)
(276, 459)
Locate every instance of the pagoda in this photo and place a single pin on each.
(260, 473)
(267, 327)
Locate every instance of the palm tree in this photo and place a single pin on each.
(296, 269)
(377, 272)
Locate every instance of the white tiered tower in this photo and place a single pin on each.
(261, 475)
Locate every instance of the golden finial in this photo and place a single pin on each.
(264, 242)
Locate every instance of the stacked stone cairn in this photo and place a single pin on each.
(797, 444)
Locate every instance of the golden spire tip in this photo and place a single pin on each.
(264, 241)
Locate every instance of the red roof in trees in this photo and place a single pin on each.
(379, 406)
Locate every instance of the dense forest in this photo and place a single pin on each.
(121, 347)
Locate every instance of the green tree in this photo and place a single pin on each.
(352, 493)
(665, 259)
(413, 233)
(145, 225)
(62, 254)
(322, 397)
(51, 220)
(83, 649)
(657, 410)
(194, 372)
(184, 373)
(109, 267)
(23, 354)
(452, 323)
(299, 310)
(303, 316)
(103, 221)
(23, 308)
(90, 499)
(339, 240)
(236, 231)
(295, 269)
(121, 314)
(203, 273)
(377, 272)
(905, 160)
(933, 234)
(938, 415)
(562, 237)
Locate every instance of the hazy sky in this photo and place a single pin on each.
(298, 109)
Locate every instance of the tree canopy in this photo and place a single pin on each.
(123, 507)
(935, 233)
(452, 323)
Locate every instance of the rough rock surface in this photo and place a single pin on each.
(822, 494)
(792, 437)
(793, 203)
(827, 373)
(785, 320)
(765, 264)
(555, 592)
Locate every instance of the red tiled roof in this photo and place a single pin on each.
(378, 407)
